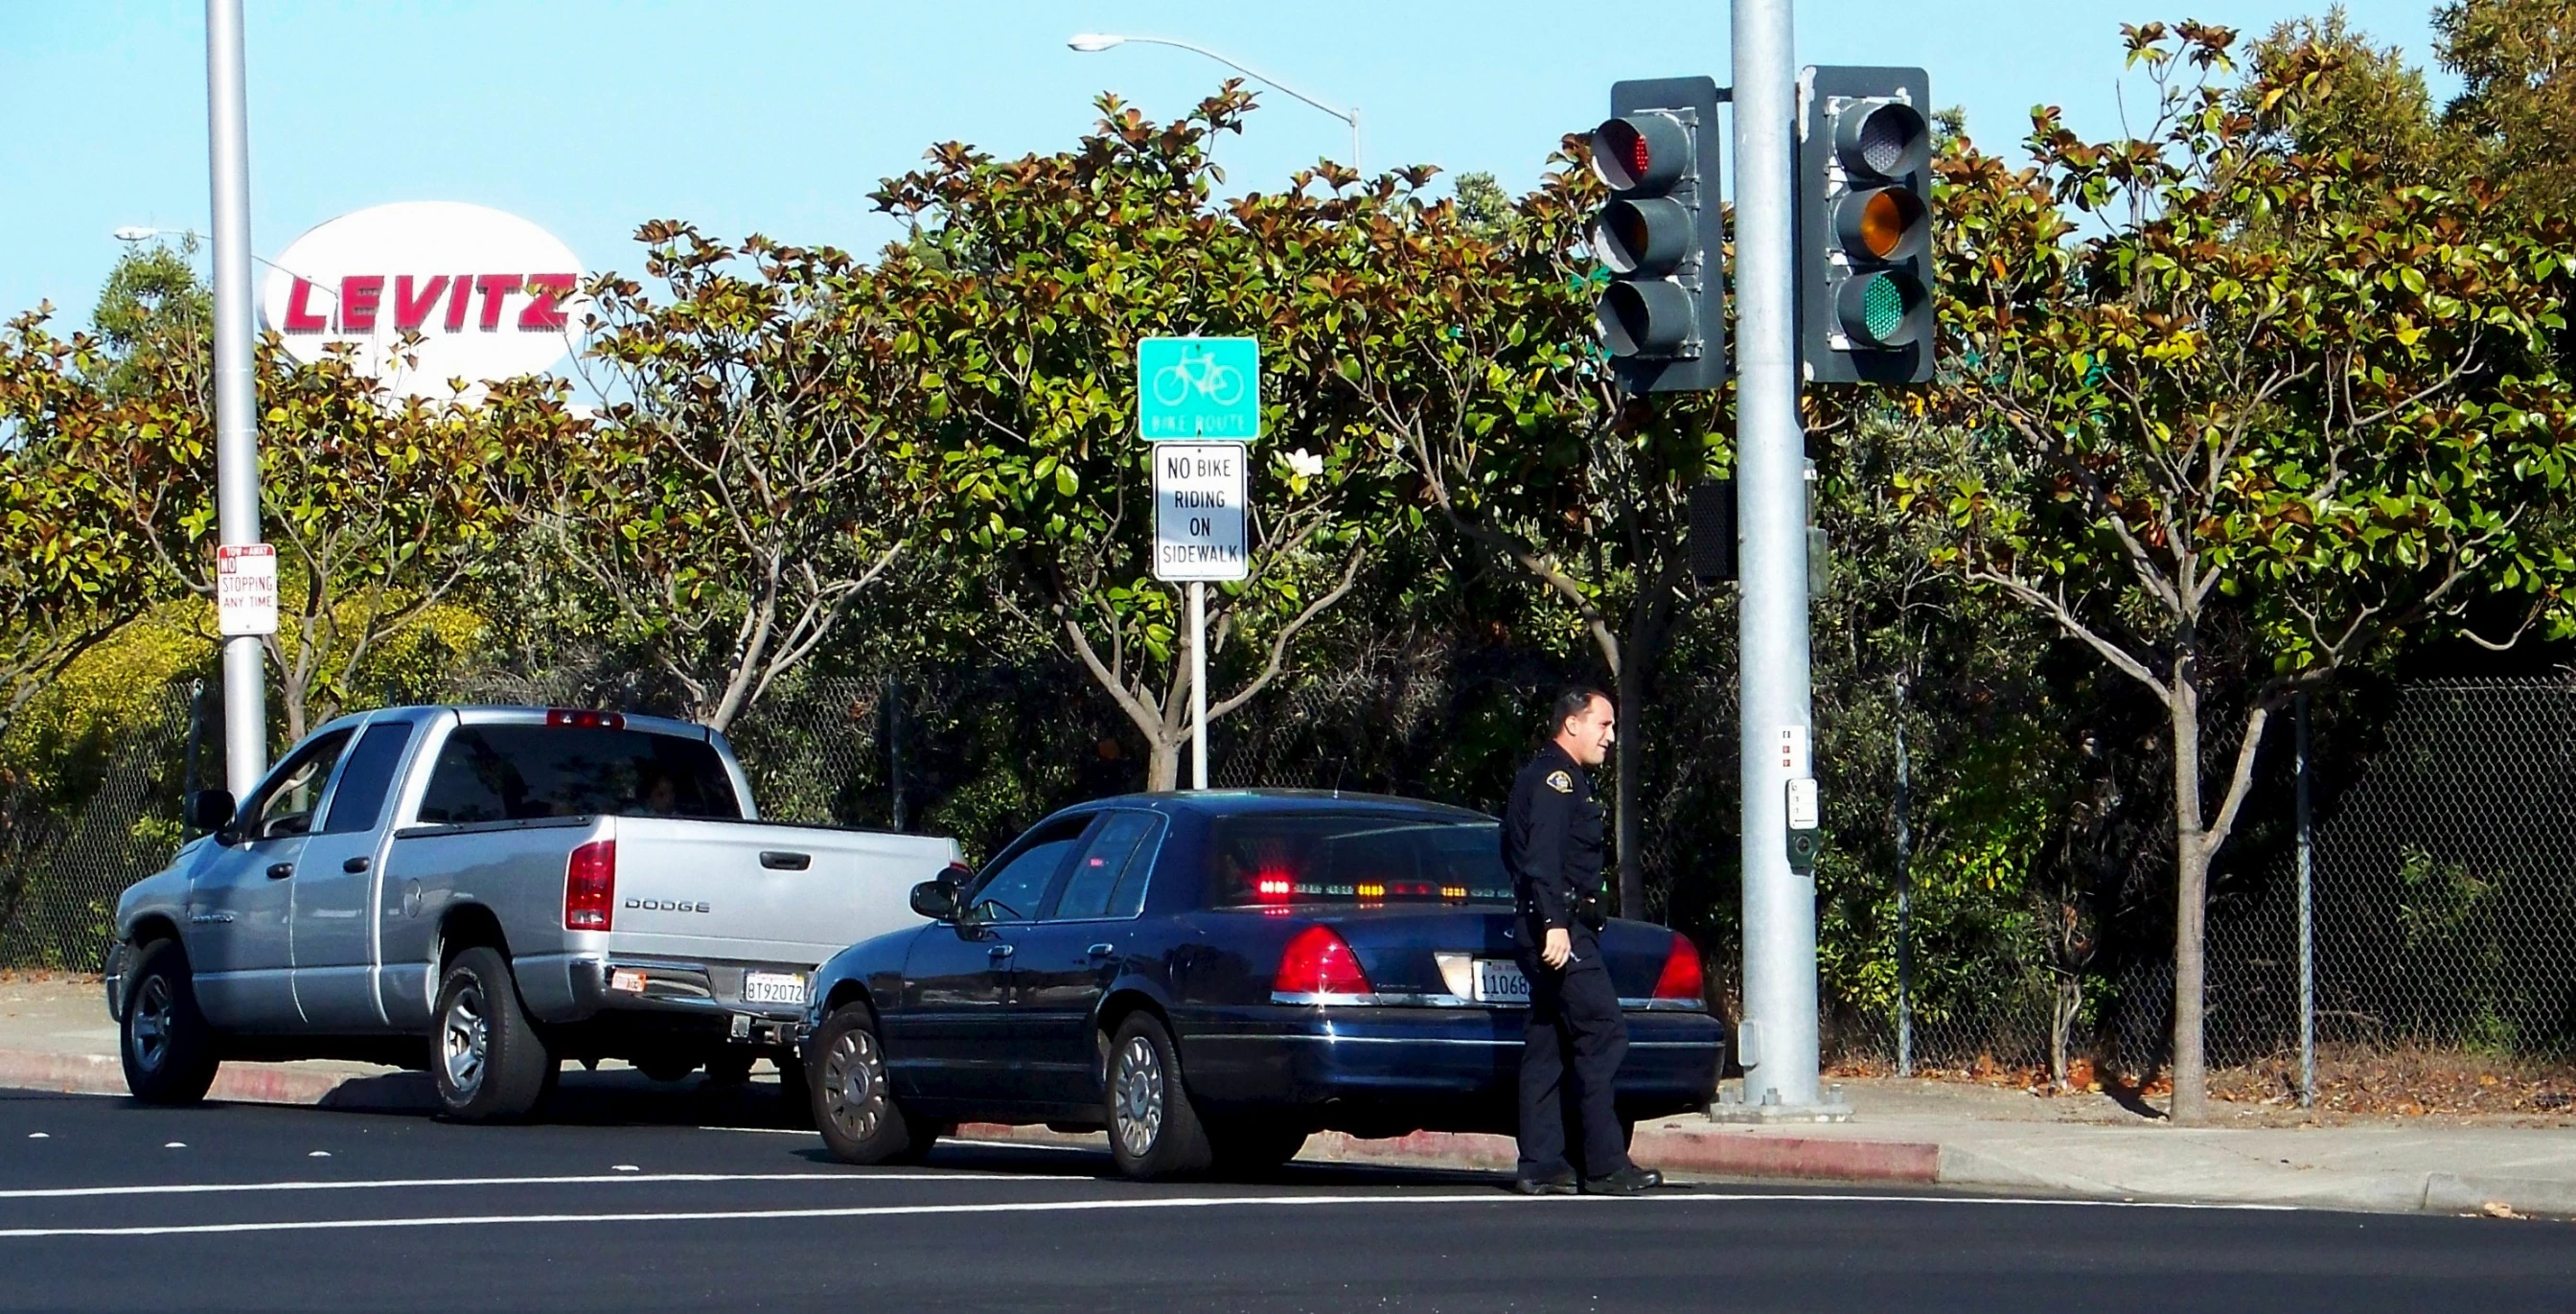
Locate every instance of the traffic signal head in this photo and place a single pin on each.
(1662, 317)
(1865, 226)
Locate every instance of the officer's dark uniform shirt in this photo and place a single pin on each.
(1552, 843)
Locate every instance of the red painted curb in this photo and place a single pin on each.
(1713, 1153)
(102, 1074)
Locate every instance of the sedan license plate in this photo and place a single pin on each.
(1499, 981)
(773, 988)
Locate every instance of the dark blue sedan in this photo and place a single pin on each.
(1213, 976)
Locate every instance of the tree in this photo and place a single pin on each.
(2270, 415)
(1469, 351)
(2517, 65)
(751, 488)
(70, 571)
(1019, 303)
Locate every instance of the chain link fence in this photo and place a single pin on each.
(2444, 873)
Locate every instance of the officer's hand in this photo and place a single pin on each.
(1559, 949)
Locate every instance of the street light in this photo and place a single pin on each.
(132, 233)
(1092, 43)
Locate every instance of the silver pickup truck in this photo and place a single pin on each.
(489, 892)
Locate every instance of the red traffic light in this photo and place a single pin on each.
(1645, 151)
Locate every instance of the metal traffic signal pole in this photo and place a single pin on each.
(1777, 1041)
(236, 401)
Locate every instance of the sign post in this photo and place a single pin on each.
(1201, 533)
(1188, 391)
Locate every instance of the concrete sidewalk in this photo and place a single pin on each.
(54, 1035)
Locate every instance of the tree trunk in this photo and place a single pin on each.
(1631, 749)
(1163, 764)
(2191, 900)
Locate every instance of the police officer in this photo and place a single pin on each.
(1552, 848)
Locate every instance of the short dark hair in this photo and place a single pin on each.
(1573, 702)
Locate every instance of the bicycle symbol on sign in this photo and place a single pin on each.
(1199, 371)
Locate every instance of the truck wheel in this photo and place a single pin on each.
(489, 1063)
(1153, 1129)
(168, 1048)
(853, 1106)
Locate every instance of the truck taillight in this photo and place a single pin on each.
(590, 887)
(1319, 962)
(1681, 978)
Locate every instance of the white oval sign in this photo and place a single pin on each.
(491, 295)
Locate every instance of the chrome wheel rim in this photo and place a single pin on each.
(465, 1040)
(1136, 1101)
(150, 1020)
(854, 1085)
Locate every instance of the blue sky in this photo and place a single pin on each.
(589, 116)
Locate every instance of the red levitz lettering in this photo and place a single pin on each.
(363, 300)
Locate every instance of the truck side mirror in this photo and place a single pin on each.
(211, 810)
(936, 900)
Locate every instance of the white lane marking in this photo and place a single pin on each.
(219, 1188)
(40, 1136)
(175, 1145)
(1489, 1197)
(319, 1154)
(624, 1168)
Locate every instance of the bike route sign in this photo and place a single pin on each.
(1196, 389)
(1199, 495)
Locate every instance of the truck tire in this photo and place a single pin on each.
(1154, 1130)
(853, 1106)
(167, 1046)
(487, 1060)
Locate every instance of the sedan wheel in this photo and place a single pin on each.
(1154, 1130)
(853, 1106)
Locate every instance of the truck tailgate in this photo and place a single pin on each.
(728, 890)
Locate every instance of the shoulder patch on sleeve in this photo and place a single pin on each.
(1560, 782)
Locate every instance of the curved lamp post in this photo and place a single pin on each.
(1095, 42)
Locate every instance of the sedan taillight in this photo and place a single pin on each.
(590, 887)
(1681, 977)
(1319, 962)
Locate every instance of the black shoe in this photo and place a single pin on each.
(1560, 1182)
(1631, 1180)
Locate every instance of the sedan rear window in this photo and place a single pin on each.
(520, 772)
(1356, 858)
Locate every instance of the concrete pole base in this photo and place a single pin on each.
(1730, 1107)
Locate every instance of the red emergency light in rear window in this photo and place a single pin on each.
(1681, 977)
(1319, 962)
(590, 887)
(581, 720)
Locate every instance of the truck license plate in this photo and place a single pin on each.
(1499, 981)
(773, 988)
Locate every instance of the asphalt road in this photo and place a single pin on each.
(635, 1204)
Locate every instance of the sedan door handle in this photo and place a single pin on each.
(1101, 950)
(278, 871)
(1002, 950)
(355, 865)
(775, 860)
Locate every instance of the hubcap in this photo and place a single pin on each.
(1136, 1098)
(466, 1037)
(150, 1018)
(854, 1085)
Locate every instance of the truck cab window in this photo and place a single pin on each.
(285, 805)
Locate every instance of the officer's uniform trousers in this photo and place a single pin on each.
(1570, 1062)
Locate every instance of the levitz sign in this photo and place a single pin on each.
(490, 296)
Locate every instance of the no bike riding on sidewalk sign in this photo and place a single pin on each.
(1199, 495)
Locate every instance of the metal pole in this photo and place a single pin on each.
(1356, 166)
(1198, 685)
(188, 772)
(2307, 930)
(1779, 1040)
(1904, 893)
(236, 403)
(894, 744)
